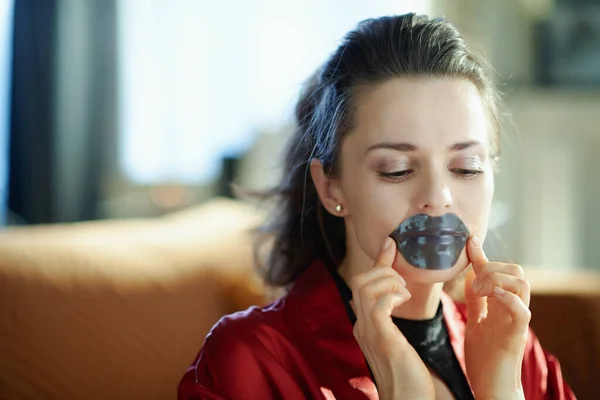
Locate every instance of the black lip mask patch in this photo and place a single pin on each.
(431, 243)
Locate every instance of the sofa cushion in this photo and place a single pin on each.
(118, 309)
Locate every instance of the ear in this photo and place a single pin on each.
(328, 188)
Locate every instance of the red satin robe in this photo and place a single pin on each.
(302, 347)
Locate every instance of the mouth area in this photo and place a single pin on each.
(431, 243)
(434, 233)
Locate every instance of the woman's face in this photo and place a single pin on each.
(419, 146)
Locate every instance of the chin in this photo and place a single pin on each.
(414, 274)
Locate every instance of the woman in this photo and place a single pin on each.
(388, 174)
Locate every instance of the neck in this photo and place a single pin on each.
(425, 297)
(424, 301)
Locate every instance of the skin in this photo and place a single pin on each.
(422, 146)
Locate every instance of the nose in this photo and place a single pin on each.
(433, 194)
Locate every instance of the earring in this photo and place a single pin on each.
(339, 208)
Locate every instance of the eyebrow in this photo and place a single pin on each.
(407, 147)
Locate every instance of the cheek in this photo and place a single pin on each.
(475, 205)
(376, 209)
(487, 201)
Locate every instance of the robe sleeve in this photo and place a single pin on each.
(541, 374)
(235, 362)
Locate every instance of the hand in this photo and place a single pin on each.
(397, 368)
(497, 297)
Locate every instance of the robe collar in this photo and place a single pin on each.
(316, 312)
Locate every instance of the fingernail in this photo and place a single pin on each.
(387, 243)
(405, 296)
(499, 291)
(476, 241)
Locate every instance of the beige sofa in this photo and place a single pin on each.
(118, 309)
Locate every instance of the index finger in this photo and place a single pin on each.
(386, 255)
(476, 254)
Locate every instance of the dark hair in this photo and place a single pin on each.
(301, 230)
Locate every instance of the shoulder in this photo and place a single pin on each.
(251, 329)
(238, 355)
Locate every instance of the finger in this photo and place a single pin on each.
(381, 314)
(519, 312)
(518, 286)
(476, 254)
(505, 268)
(386, 255)
(385, 258)
(370, 293)
(476, 305)
(358, 325)
(364, 279)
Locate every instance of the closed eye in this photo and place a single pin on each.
(396, 176)
(466, 173)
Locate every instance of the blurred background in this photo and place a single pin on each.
(136, 108)
(134, 116)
